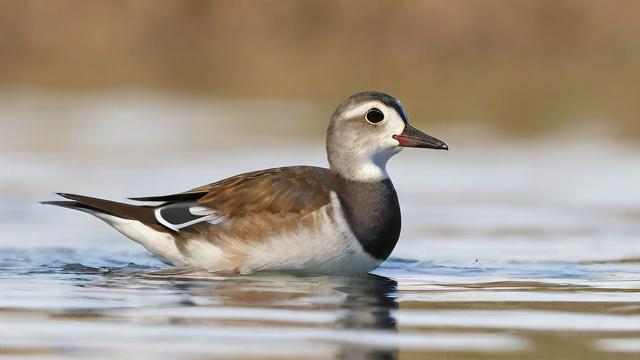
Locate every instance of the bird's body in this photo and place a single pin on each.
(344, 220)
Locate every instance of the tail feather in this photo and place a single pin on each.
(70, 205)
(144, 214)
(138, 223)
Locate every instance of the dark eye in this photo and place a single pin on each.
(374, 116)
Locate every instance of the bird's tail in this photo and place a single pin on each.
(95, 206)
(138, 223)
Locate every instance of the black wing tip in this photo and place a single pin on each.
(146, 199)
(175, 197)
(141, 198)
(67, 195)
(62, 203)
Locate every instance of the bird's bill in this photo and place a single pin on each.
(412, 137)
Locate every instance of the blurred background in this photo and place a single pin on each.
(518, 68)
(538, 101)
(521, 242)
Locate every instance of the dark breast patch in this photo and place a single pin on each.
(373, 214)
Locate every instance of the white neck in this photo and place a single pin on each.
(363, 168)
(366, 171)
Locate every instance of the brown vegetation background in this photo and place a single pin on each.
(519, 66)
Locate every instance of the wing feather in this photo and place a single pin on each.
(178, 215)
(289, 190)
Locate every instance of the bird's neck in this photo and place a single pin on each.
(373, 213)
(361, 167)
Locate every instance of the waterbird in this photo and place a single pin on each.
(341, 220)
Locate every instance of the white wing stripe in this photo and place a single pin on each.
(186, 211)
(201, 210)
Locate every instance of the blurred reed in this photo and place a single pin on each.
(519, 67)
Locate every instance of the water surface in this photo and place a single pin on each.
(509, 249)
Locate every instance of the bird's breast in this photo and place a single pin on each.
(372, 211)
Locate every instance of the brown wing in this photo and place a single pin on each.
(298, 190)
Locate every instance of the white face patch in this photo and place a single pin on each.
(367, 153)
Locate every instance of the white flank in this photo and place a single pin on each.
(158, 243)
(202, 252)
(329, 248)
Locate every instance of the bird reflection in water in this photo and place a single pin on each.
(369, 303)
(364, 305)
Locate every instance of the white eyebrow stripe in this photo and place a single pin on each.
(363, 108)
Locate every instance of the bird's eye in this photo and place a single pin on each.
(374, 116)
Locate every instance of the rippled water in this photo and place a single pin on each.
(509, 250)
(62, 303)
